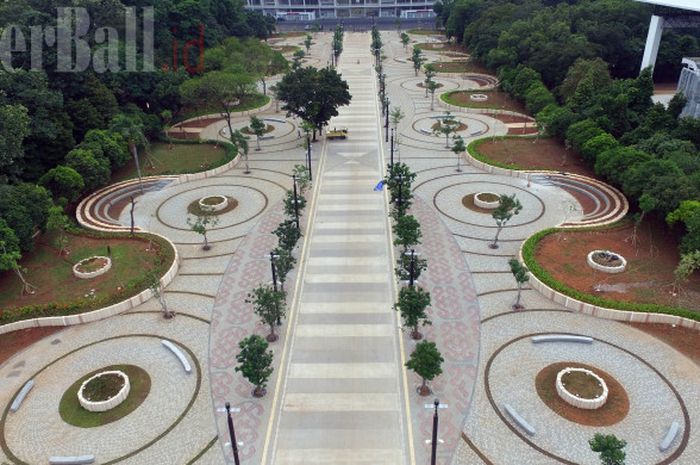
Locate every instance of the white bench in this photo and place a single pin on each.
(275, 120)
(670, 436)
(425, 131)
(17, 403)
(178, 353)
(75, 460)
(562, 338)
(267, 137)
(477, 133)
(519, 420)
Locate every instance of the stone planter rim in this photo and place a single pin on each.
(489, 205)
(572, 399)
(92, 274)
(606, 269)
(108, 404)
(478, 97)
(216, 207)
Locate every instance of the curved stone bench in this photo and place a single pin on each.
(178, 353)
(519, 420)
(17, 403)
(275, 120)
(267, 137)
(75, 460)
(670, 436)
(425, 131)
(562, 338)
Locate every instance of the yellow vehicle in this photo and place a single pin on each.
(337, 134)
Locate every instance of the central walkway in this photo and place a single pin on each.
(342, 399)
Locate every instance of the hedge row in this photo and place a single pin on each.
(133, 287)
(529, 257)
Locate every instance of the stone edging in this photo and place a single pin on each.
(482, 111)
(233, 114)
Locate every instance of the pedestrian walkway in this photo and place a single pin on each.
(342, 397)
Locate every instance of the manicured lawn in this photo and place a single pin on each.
(53, 276)
(496, 100)
(74, 414)
(461, 66)
(181, 158)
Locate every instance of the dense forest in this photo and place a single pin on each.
(62, 134)
(575, 65)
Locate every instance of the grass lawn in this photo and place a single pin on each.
(461, 66)
(74, 414)
(424, 32)
(497, 100)
(53, 275)
(248, 102)
(285, 48)
(182, 158)
(441, 47)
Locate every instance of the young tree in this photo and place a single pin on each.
(132, 131)
(399, 179)
(284, 263)
(407, 232)
(296, 59)
(403, 266)
(405, 39)
(241, 143)
(202, 224)
(520, 273)
(689, 264)
(430, 73)
(156, 288)
(257, 127)
(458, 148)
(411, 304)
(431, 86)
(58, 223)
(396, 115)
(418, 59)
(610, 448)
(647, 203)
(289, 209)
(167, 116)
(447, 126)
(287, 234)
(269, 305)
(255, 363)
(10, 256)
(426, 362)
(302, 174)
(508, 206)
(308, 42)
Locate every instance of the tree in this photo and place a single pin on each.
(447, 126)
(520, 273)
(167, 117)
(689, 264)
(58, 223)
(156, 288)
(313, 95)
(255, 363)
(10, 256)
(240, 142)
(202, 224)
(405, 39)
(610, 448)
(431, 87)
(132, 131)
(430, 73)
(411, 304)
(308, 42)
(93, 168)
(302, 174)
(287, 234)
(399, 179)
(403, 268)
(688, 212)
(426, 362)
(14, 128)
(64, 183)
(257, 127)
(459, 148)
(418, 59)
(297, 58)
(395, 116)
(111, 144)
(269, 305)
(508, 206)
(284, 263)
(647, 203)
(289, 208)
(407, 232)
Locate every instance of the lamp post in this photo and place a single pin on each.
(412, 268)
(433, 454)
(296, 201)
(308, 156)
(399, 188)
(274, 280)
(386, 121)
(392, 148)
(232, 434)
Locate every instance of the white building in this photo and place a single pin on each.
(309, 10)
(689, 84)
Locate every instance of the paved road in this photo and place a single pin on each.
(342, 400)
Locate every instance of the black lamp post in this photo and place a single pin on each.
(433, 454)
(386, 121)
(296, 201)
(399, 188)
(308, 156)
(412, 268)
(232, 435)
(392, 148)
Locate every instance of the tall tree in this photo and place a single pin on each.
(10, 256)
(418, 59)
(132, 131)
(64, 183)
(508, 206)
(426, 362)
(255, 363)
(257, 127)
(14, 128)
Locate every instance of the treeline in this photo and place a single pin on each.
(575, 66)
(62, 134)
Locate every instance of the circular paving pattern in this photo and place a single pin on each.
(195, 208)
(275, 127)
(22, 441)
(418, 83)
(468, 202)
(427, 124)
(173, 207)
(516, 363)
(614, 410)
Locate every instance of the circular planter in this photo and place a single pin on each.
(107, 265)
(606, 261)
(478, 97)
(487, 200)
(108, 404)
(574, 399)
(213, 203)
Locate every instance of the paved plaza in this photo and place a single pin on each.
(339, 393)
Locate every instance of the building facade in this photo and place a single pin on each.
(310, 10)
(689, 84)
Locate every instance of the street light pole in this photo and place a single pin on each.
(296, 201)
(386, 121)
(308, 156)
(399, 188)
(274, 271)
(392, 148)
(433, 455)
(232, 434)
(412, 267)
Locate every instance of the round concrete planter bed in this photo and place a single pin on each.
(487, 200)
(606, 261)
(478, 97)
(213, 203)
(109, 403)
(81, 271)
(570, 397)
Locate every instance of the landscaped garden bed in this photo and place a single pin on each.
(195, 208)
(285, 48)
(495, 99)
(461, 127)
(558, 258)
(441, 47)
(268, 128)
(460, 66)
(59, 292)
